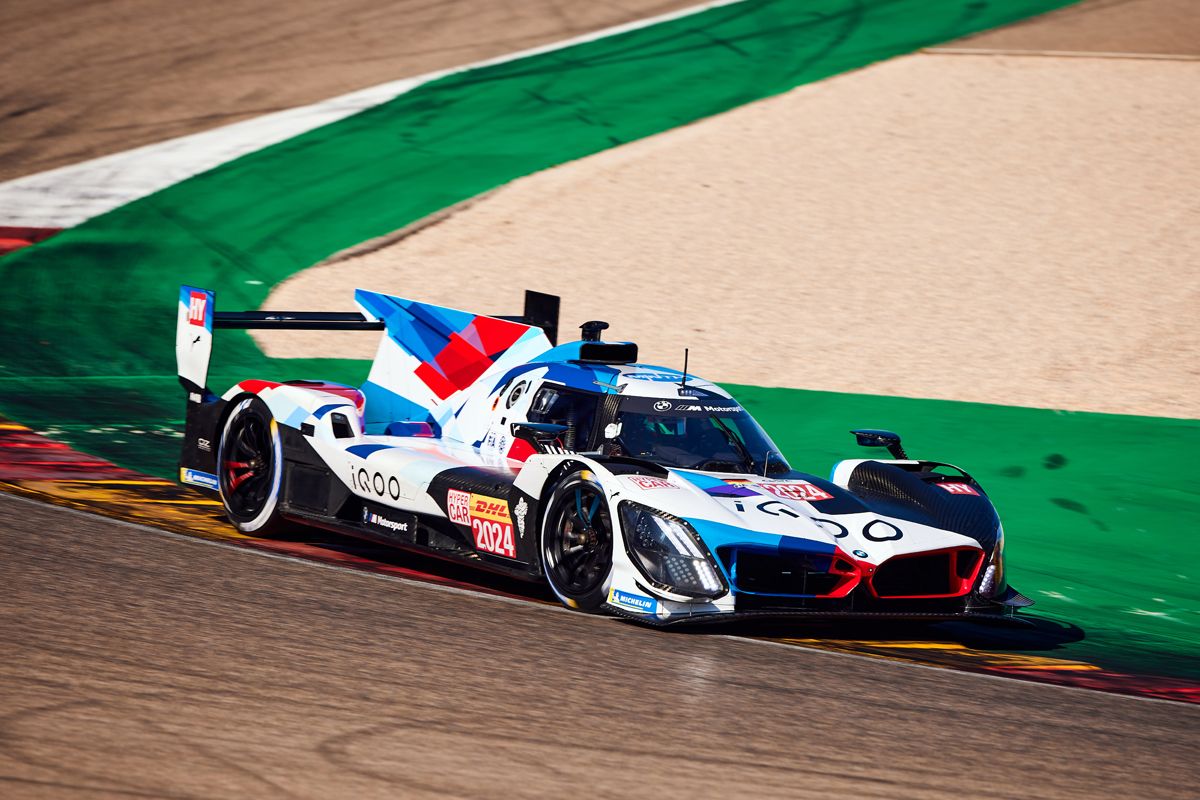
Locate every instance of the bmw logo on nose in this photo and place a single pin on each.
(860, 553)
(662, 405)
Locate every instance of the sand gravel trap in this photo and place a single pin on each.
(1153, 27)
(1001, 229)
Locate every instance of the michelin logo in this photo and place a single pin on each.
(634, 602)
(197, 478)
(519, 512)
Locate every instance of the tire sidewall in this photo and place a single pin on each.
(268, 516)
(589, 601)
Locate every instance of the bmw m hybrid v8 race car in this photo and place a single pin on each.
(631, 489)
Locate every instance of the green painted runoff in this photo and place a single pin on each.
(1100, 511)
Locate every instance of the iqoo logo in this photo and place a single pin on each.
(375, 483)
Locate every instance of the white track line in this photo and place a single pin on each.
(67, 196)
(183, 537)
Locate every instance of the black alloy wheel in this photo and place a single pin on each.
(247, 464)
(577, 542)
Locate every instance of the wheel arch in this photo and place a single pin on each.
(538, 478)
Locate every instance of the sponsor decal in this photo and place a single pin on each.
(458, 507)
(492, 526)
(837, 531)
(891, 534)
(958, 488)
(798, 490)
(196, 306)
(204, 444)
(197, 478)
(650, 482)
(489, 508)
(777, 508)
(661, 377)
(496, 440)
(636, 602)
(488, 519)
(519, 512)
(376, 483)
(194, 397)
(380, 521)
(693, 407)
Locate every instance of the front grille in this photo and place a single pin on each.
(947, 573)
(792, 574)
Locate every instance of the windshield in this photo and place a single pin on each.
(705, 433)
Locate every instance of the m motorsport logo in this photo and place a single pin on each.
(380, 521)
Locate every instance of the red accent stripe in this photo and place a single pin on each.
(257, 386)
(961, 585)
(338, 389)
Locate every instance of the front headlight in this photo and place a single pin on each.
(669, 553)
(993, 582)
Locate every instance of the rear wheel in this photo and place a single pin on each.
(577, 542)
(250, 466)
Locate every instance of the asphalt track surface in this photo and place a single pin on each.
(205, 671)
(88, 78)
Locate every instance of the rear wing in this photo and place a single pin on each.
(197, 318)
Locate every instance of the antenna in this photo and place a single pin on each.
(685, 358)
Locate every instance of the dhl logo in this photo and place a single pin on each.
(485, 507)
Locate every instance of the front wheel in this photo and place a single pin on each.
(577, 542)
(250, 466)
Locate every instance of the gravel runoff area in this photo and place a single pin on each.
(1016, 229)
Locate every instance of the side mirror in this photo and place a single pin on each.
(539, 434)
(870, 437)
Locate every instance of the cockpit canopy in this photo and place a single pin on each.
(700, 430)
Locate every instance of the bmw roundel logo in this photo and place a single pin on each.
(515, 394)
(662, 405)
(860, 553)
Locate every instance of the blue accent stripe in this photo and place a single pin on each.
(700, 480)
(364, 450)
(718, 534)
(296, 418)
(323, 410)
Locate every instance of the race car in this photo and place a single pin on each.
(630, 489)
